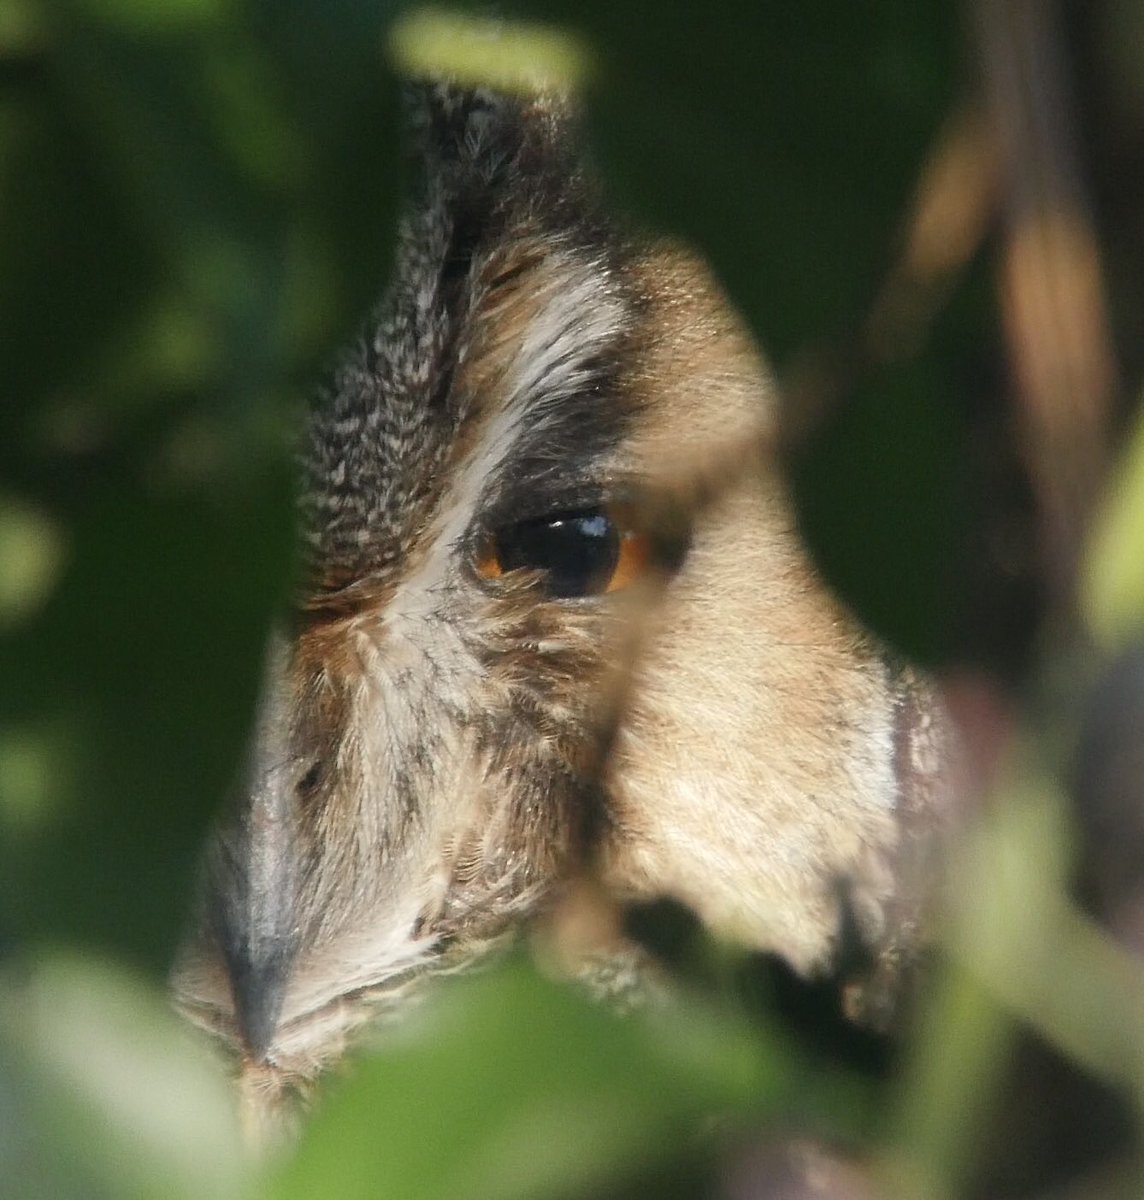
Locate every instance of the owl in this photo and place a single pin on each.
(557, 625)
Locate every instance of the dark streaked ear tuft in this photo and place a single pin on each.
(507, 155)
(491, 169)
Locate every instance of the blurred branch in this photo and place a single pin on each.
(1051, 291)
(948, 218)
(947, 222)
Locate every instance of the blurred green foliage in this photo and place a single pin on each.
(1114, 582)
(197, 200)
(511, 1086)
(197, 204)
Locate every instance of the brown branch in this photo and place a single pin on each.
(949, 216)
(1050, 283)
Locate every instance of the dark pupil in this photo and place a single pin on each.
(576, 551)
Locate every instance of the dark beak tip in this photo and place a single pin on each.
(259, 989)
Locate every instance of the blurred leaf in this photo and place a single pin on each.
(74, 268)
(1020, 952)
(195, 204)
(957, 1056)
(115, 1098)
(335, 85)
(31, 552)
(513, 57)
(1113, 581)
(145, 16)
(161, 127)
(1047, 962)
(141, 671)
(508, 1085)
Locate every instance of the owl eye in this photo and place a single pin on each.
(584, 553)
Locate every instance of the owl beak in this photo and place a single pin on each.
(258, 986)
(253, 888)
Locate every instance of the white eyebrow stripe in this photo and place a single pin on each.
(580, 318)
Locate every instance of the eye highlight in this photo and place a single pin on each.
(583, 553)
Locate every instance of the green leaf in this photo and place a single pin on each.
(194, 209)
(127, 700)
(513, 57)
(112, 1097)
(1113, 580)
(509, 1085)
(335, 84)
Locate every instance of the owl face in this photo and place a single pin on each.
(558, 621)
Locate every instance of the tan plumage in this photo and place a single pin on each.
(443, 745)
